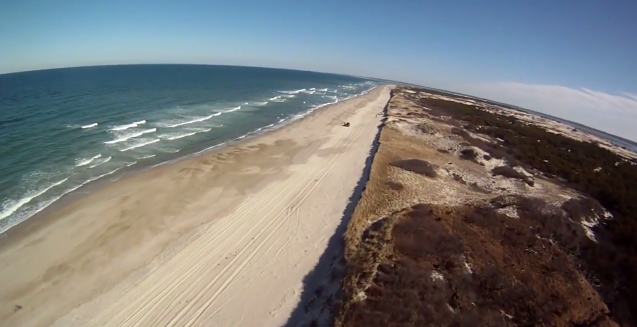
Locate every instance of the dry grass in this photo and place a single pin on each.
(424, 251)
(507, 171)
(417, 166)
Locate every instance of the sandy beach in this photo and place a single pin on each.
(222, 239)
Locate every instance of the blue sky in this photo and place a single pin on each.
(524, 52)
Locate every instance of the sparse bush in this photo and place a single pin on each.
(468, 154)
(524, 271)
(573, 162)
(514, 272)
(509, 172)
(395, 185)
(458, 131)
(417, 166)
(583, 209)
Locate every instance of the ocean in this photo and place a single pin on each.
(62, 129)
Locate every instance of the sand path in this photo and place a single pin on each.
(223, 239)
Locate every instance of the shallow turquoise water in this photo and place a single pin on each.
(64, 128)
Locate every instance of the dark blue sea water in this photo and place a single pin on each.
(62, 129)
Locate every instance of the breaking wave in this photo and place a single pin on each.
(130, 136)
(84, 162)
(103, 161)
(182, 135)
(127, 126)
(140, 145)
(292, 92)
(12, 206)
(89, 126)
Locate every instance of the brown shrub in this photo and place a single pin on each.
(525, 271)
(509, 172)
(395, 185)
(417, 166)
(517, 279)
(458, 131)
(468, 154)
(583, 209)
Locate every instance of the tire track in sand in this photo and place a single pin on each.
(172, 281)
(242, 264)
(296, 211)
(174, 293)
(178, 277)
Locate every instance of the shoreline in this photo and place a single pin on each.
(124, 173)
(71, 250)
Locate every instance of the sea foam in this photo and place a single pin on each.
(292, 92)
(176, 136)
(103, 161)
(146, 156)
(192, 121)
(127, 126)
(140, 145)
(89, 126)
(232, 109)
(130, 136)
(84, 162)
(11, 207)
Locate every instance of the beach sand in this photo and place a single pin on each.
(222, 239)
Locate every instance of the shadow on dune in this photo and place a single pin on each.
(316, 305)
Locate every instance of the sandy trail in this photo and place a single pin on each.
(224, 239)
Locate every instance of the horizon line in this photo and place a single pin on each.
(552, 117)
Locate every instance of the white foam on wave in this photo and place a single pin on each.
(292, 92)
(140, 145)
(146, 157)
(275, 98)
(272, 126)
(290, 95)
(86, 161)
(103, 161)
(308, 92)
(176, 136)
(89, 126)
(232, 110)
(127, 126)
(131, 135)
(322, 90)
(12, 206)
(261, 103)
(192, 121)
(281, 122)
(44, 205)
(67, 191)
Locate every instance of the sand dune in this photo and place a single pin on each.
(223, 239)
